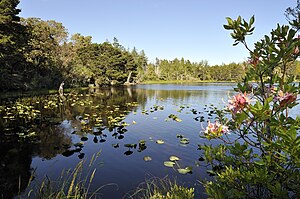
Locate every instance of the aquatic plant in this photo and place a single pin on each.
(73, 183)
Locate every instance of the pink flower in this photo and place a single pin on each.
(238, 102)
(285, 98)
(216, 129)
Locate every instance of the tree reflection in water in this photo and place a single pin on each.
(43, 133)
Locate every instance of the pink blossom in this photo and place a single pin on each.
(238, 102)
(216, 129)
(285, 98)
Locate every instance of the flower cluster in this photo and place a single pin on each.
(238, 102)
(216, 129)
(285, 98)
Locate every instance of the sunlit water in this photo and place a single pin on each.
(118, 172)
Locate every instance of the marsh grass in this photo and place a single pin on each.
(72, 183)
(162, 188)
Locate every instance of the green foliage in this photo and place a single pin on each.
(72, 183)
(13, 39)
(36, 54)
(158, 188)
(261, 159)
(184, 70)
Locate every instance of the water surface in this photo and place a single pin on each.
(145, 109)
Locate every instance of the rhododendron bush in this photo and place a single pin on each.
(258, 155)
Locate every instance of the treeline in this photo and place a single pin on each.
(184, 70)
(40, 54)
(180, 70)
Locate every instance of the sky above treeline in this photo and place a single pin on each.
(166, 29)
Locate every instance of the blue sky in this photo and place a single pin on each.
(165, 29)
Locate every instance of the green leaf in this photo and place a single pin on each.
(169, 163)
(174, 158)
(252, 20)
(260, 163)
(147, 158)
(230, 21)
(184, 141)
(160, 141)
(185, 170)
(227, 27)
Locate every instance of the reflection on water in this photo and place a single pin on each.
(123, 123)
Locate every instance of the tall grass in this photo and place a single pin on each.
(162, 188)
(72, 183)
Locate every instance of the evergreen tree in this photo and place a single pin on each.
(12, 42)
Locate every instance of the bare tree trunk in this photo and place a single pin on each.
(128, 78)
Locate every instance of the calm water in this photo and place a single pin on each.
(146, 110)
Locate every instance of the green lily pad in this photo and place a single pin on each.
(178, 120)
(169, 163)
(185, 140)
(142, 141)
(174, 158)
(185, 170)
(160, 141)
(84, 138)
(130, 145)
(147, 158)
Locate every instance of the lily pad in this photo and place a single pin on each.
(160, 141)
(147, 158)
(84, 138)
(169, 163)
(185, 140)
(142, 142)
(130, 145)
(79, 144)
(185, 170)
(128, 152)
(178, 120)
(174, 158)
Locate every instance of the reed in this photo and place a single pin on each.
(161, 188)
(72, 183)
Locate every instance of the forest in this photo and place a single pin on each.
(38, 54)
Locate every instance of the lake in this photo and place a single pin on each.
(133, 129)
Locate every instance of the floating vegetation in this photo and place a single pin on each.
(160, 141)
(157, 107)
(174, 158)
(147, 158)
(169, 163)
(183, 140)
(185, 170)
(173, 117)
(115, 145)
(173, 161)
